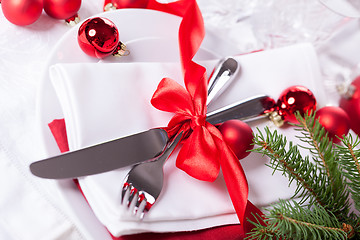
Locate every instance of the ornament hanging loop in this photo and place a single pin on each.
(121, 50)
(276, 119)
(109, 7)
(344, 86)
(72, 21)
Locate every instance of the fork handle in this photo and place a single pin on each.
(170, 148)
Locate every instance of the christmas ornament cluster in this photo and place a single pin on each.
(337, 121)
(26, 12)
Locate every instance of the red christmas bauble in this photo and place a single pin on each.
(22, 12)
(98, 37)
(335, 121)
(352, 106)
(293, 99)
(62, 9)
(238, 136)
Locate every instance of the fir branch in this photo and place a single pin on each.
(349, 163)
(324, 153)
(315, 136)
(261, 232)
(357, 227)
(312, 182)
(324, 185)
(292, 221)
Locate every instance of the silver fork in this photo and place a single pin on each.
(144, 182)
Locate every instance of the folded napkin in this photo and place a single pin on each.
(101, 102)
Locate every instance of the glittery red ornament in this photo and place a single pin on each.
(238, 136)
(62, 9)
(22, 12)
(293, 99)
(98, 37)
(351, 105)
(335, 120)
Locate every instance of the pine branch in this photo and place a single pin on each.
(291, 221)
(312, 182)
(349, 163)
(324, 182)
(315, 136)
(324, 154)
(357, 227)
(261, 232)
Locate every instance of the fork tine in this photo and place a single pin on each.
(133, 200)
(125, 193)
(141, 209)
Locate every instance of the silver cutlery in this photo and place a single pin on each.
(103, 157)
(143, 184)
(125, 151)
(138, 197)
(222, 75)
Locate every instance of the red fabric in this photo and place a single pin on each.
(228, 232)
(58, 130)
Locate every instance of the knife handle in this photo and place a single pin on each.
(246, 109)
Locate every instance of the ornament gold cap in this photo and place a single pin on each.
(276, 118)
(346, 90)
(121, 50)
(344, 86)
(72, 21)
(109, 7)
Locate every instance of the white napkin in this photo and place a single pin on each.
(106, 101)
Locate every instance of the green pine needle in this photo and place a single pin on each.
(349, 162)
(325, 180)
(313, 184)
(290, 220)
(324, 154)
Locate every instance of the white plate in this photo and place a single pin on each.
(150, 36)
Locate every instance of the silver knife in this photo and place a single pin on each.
(92, 160)
(148, 144)
(105, 157)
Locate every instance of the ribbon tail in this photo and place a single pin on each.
(254, 214)
(237, 186)
(236, 182)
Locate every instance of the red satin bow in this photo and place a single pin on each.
(204, 151)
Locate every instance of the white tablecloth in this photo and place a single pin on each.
(29, 206)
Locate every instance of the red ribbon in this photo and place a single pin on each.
(204, 151)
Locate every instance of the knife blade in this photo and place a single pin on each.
(91, 160)
(77, 163)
